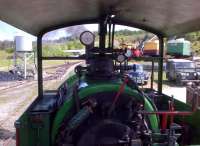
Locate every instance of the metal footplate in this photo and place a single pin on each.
(167, 137)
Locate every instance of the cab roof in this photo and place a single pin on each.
(162, 17)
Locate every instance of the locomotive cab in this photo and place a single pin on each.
(100, 105)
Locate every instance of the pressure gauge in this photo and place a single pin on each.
(128, 53)
(87, 38)
(121, 58)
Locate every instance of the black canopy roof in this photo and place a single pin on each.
(164, 17)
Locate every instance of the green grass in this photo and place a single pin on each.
(156, 76)
(165, 80)
(5, 60)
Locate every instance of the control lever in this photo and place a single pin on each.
(173, 136)
(79, 70)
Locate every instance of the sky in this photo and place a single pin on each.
(94, 27)
(8, 32)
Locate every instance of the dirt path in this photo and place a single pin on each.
(170, 89)
(179, 93)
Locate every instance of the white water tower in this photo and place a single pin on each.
(23, 51)
(23, 44)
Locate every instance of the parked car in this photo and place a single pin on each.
(138, 74)
(182, 71)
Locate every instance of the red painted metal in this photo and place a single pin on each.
(164, 121)
(171, 108)
(165, 115)
(180, 113)
(136, 53)
(17, 137)
(121, 89)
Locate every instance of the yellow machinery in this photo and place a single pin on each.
(151, 48)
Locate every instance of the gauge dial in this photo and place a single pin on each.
(128, 53)
(120, 58)
(87, 38)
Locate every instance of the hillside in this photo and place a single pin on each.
(194, 38)
(55, 43)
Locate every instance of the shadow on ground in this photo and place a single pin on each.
(6, 134)
(9, 76)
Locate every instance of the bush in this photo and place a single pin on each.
(52, 50)
(9, 50)
(58, 49)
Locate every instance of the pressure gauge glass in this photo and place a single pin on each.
(121, 58)
(87, 38)
(128, 53)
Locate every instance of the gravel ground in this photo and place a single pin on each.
(170, 89)
(7, 76)
(179, 93)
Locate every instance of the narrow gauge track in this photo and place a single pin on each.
(59, 72)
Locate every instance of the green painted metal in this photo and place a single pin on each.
(31, 135)
(96, 88)
(64, 110)
(24, 131)
(179, 48)
(192, 121)
(34, 133)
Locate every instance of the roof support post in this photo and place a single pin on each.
(160, 63)
(39, 66)
(152, 73)
(102, 33)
